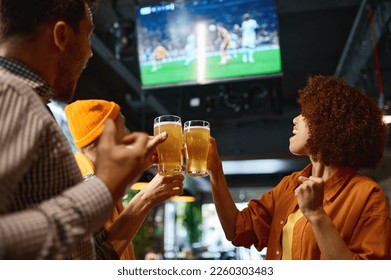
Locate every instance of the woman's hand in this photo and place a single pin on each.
(309, 196)
(214, 161)
(162, 188)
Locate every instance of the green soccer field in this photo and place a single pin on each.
(266, 62)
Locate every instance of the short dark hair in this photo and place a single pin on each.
(24, 17)
(346, 126)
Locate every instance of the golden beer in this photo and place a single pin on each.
(170, 151)
(196, 134)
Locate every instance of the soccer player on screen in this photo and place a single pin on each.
(249, 26)
(158, 55)
(234, 43)
(223, 35)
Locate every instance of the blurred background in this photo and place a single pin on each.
(250, 109)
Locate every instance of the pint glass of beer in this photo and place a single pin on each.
(170, 151)
(196, 134)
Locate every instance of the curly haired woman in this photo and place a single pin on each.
(327, 210)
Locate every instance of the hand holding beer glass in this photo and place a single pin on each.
(196, 134)
(170, 151)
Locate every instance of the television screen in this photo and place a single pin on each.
(204, 41)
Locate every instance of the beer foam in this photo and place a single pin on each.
(200, 127)
(166, 123)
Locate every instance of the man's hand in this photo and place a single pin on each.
(120, 164)
(152, 157)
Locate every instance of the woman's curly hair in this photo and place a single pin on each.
(346, 127)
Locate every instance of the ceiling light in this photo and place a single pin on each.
(138, 186)
(186, 196)
(387, 119)
(195, 102)
(386, 108)
(263, 166)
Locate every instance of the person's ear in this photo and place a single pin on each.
(61, 33)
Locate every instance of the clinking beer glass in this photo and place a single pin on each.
(170, 151)
(196, 134)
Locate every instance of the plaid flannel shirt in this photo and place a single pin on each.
(47, 211)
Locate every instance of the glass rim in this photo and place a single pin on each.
(188, 123)
(175, 118)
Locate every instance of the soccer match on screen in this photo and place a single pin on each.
(196, 42)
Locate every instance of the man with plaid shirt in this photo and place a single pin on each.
(46, 210)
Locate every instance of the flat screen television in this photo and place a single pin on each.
(205, 41)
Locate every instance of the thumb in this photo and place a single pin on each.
(302, 179)
(107, 138)
(157, 139)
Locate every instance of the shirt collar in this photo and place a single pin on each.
(32, 79)
(335, 183)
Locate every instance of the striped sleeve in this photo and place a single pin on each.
(54, 228)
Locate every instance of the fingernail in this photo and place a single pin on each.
(164, 134)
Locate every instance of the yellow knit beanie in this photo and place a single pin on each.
(87, 117)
